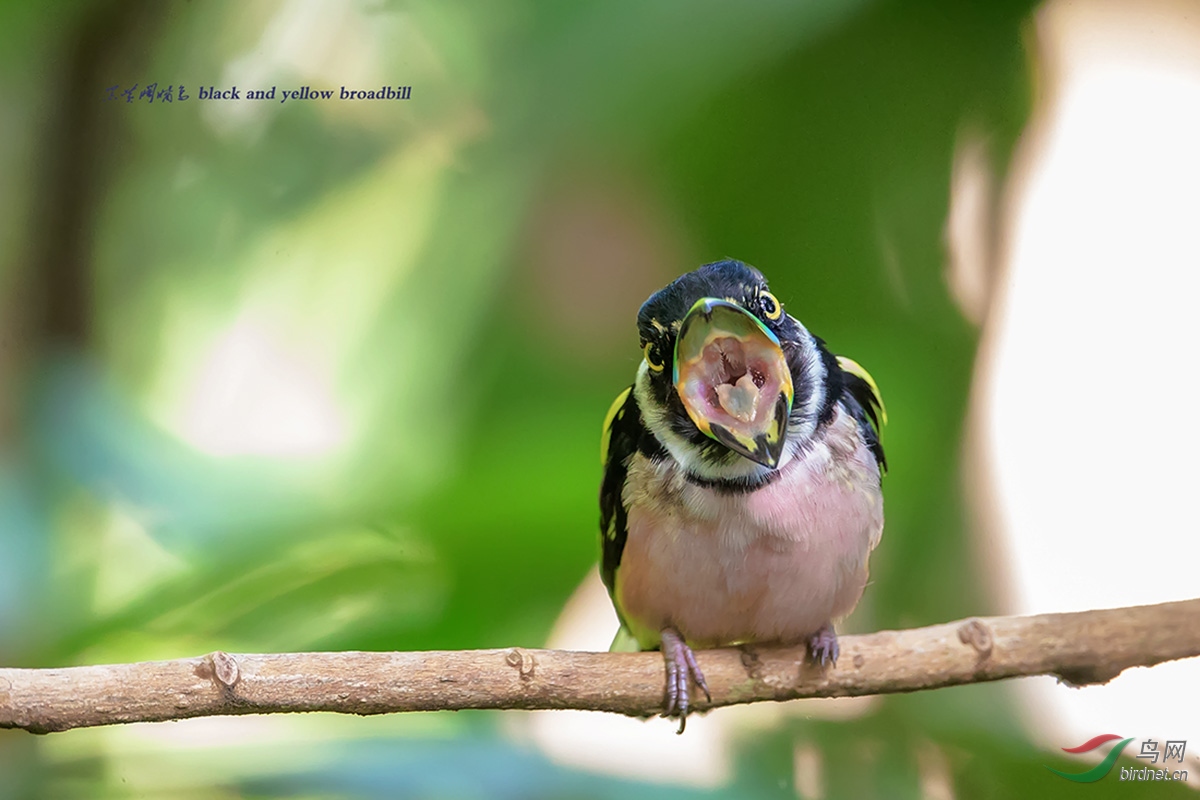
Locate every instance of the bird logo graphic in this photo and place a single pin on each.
(1104, 767)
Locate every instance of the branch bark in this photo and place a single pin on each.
(1079, 648)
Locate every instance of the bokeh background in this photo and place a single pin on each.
(282, 376)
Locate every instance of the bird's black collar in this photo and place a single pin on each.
(735, 485)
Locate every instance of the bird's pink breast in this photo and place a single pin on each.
(771, 565)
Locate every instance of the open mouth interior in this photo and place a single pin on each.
(734, 382)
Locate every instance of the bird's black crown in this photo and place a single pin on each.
(724, 279)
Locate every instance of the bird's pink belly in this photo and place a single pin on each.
(771, 566)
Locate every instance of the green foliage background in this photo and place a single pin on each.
(465, 267)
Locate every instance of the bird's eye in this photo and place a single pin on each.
(770, 305)
(653, 358)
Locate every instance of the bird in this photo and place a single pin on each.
(741, 492)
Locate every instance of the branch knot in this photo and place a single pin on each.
(522, 661)
(975, 633)
(225, 668)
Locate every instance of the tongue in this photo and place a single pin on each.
(739, 400)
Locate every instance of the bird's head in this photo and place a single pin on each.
(729, 384)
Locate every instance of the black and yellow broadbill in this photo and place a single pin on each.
(741, 493)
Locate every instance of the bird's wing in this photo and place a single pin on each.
(870, 411)
(619, 440)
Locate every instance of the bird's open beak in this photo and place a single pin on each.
(733, 379)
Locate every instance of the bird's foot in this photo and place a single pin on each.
(823, 645)
(681, 665)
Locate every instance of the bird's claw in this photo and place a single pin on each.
(681, 666)
(823, 646)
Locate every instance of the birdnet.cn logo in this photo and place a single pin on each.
(1172, 751)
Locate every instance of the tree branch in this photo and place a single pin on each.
(1079, 648)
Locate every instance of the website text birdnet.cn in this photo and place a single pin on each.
(1172, 750)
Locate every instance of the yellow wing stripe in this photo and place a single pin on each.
(606, 432)
(854, 368)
